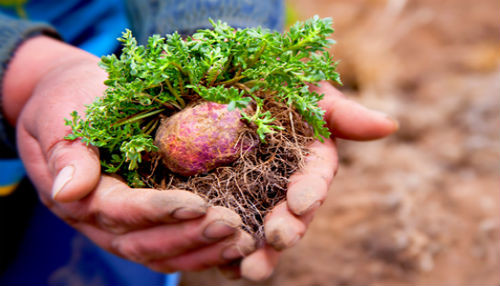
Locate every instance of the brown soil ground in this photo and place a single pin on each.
(423, 206)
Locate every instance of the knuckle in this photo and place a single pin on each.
(59, 153)
(129, 250)
(108, 222)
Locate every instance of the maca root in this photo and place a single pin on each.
(267, 71)
(201, 137)
(257, 181)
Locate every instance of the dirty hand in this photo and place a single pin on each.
(164, 230)
(307, 189)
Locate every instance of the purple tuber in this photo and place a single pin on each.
(200, 138)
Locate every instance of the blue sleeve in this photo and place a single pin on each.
(164, 17)
(12, 33)
(92, 25)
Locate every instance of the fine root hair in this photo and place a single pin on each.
(257, 181)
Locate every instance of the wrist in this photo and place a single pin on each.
(33, 59)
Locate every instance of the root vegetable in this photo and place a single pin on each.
(201, 138)
(193, 95)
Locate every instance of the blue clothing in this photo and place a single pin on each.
(52, 252)
(12, 172)
(92, 25)
(165, 17)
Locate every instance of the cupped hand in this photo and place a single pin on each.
(307, 189)
(165, 230)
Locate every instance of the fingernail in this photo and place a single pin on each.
(188, 213)
(378, 113)
(62, 179)
(218, 229)
(232, 252)
(308, 202)
(394, 121)
(280, 236)
(314, 206)
(386, 116)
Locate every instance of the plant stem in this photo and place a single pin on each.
(169, 105)
(175, 94)
(237, 77)
(256, 57)
(137, 116)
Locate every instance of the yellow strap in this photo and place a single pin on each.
(7, 190)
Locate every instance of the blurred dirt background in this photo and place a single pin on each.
(422, 206)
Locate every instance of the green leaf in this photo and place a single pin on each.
(237, 67)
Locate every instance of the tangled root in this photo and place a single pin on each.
(257, 180)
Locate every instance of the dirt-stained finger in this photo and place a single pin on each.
(348, 119)
(171, 240)
(283, 229)
(308, 187)
(117, 208)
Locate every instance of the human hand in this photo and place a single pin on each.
(307, 189)
(165, 230)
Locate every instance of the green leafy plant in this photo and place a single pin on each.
(237, 67)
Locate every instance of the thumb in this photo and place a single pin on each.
(347, 119)
(76, 170)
